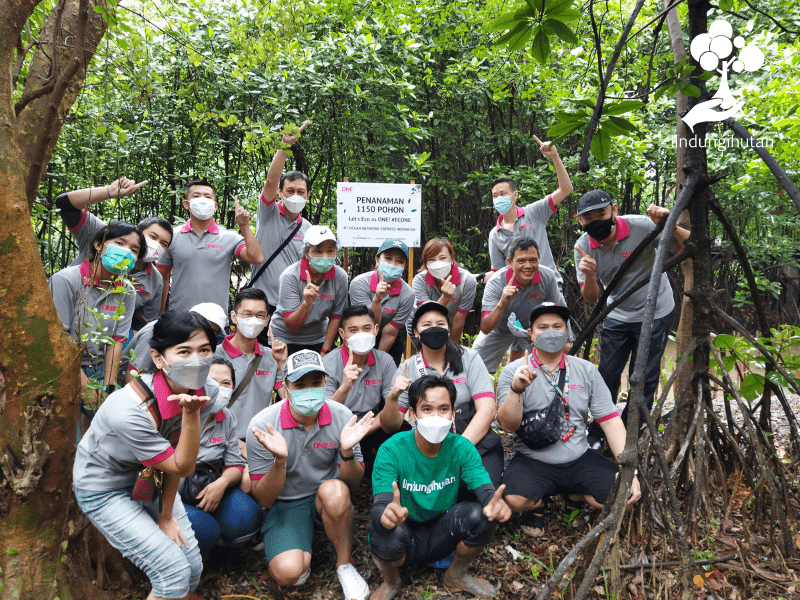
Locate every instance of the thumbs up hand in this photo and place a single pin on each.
(394, 513)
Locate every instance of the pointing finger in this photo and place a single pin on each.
(271, 339)
(498, 493)
(308, 276)
(538, 141)
(236, 202)
(350, 358)
(403, 372)
(382, 280)
(527, 358)
(139, 185)
(395, 493)
(303, 126)
(582, 252)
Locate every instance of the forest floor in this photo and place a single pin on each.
(520, 564)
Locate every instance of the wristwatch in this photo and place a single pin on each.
(346, 458)
(110, 388)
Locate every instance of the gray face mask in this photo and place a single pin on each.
(551, 341)
(189, 373)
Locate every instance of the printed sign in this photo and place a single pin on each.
(368, 213)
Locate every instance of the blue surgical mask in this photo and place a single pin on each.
(308, 401)
(322, 264)
(390, 272)
(502, 204)
(118, 260)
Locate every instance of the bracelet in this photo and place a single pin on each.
(108, 191)
(519, 392)
(279, 466)
(346, 458)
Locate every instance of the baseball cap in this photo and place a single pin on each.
(427, 306)
(390, 244)
(316, 234)
(302, 362)
(592, 200)
(212, 312)
(550, 308)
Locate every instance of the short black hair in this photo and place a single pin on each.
(522, 244)
(511, 183)
(356, 310)
(112, 231)
(202, 182)
(420, 387)
(160, 221)
(175, 327)
(221, 361)
(294, 176)
(250, 294)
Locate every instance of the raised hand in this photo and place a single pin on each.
(524, 375)
(656, 213)
(280, 351)
(350, 373)
(123, 187)
(394, 513)
(189, 403)
(290, 140)
(401, 383)
(272, 441)
(311, 291)
(588, 265)
(448, 287)
(546, 148)
(242, 217)
(353, 432)
(509, 292)
(383, 288)
(497, 509)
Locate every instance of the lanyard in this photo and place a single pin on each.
(553, 377)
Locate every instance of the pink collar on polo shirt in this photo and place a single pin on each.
(425, 362)
(88, 277)
(288, 422)
(395, 288)
(623, 231)
(149, 268)
(520, 212)
(346, 355)
(212, 229)
(510, 274)
(232, 350)
(168, 408)
(283, 211)
(536, 362)
(304, 266)
(455, 278)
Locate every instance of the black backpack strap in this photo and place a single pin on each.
(283, 245)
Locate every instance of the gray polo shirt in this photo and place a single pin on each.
(542, 288)
(123, 438)
(587, 392)
(397, 304)
(372, 386)
(256, 396)
(531, 223)
(272, 228)
(85, 309)
(463, 298)
(472, 383)
(136, 357)
(631, 230)
(330, 303)
(313, 454)
(84, 233)
(201, 266)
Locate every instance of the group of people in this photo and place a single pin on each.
(217, 435)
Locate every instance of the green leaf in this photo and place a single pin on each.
(691, 90)
(12, 551)
(601, 144)
(508, 36)
(623, 123)
(752, 387)
(541, 47)
(562, 31)
(724, 341)
(777, 379)
(622, 107)
(520, 40)
(505, 22)
(563, 128)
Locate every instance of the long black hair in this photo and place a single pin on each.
(112, 231)
(175, 327)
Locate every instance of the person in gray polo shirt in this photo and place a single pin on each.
(517, 289)
(202, 252)
(608, 240)
(362, 378)
(530, 222)
(157, 233)
(531, 384)
(276, 220)
(305, 459)
(313, 296)
(385, 292)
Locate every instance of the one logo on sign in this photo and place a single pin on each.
(715, 49)
(347, 189)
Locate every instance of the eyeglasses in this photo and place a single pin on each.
(246, 315)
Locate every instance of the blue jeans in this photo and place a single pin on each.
(620, 340)
(130, 526)
(236, 520)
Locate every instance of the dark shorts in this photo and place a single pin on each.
(592, 474)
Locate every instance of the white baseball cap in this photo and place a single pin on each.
(302, 362)
(212, 312)
(316, 234)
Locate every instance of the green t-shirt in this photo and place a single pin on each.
(428, 485)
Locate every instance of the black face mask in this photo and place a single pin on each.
(434, 337)
(600, 230)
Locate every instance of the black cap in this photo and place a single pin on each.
(592, 200)
(550, 308)
(427, 306)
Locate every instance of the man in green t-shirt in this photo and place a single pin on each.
(415, 517)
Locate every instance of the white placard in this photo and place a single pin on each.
(368, 213)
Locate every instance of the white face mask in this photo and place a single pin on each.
(154, 250)
(202, 208)
(251, 327)
(225, 393)
(294, 204)
(434, 429)
(440, 268)
(361, 342)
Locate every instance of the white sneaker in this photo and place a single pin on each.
(303, 577)
(353, 585)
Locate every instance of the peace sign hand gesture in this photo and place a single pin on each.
(394, 513)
